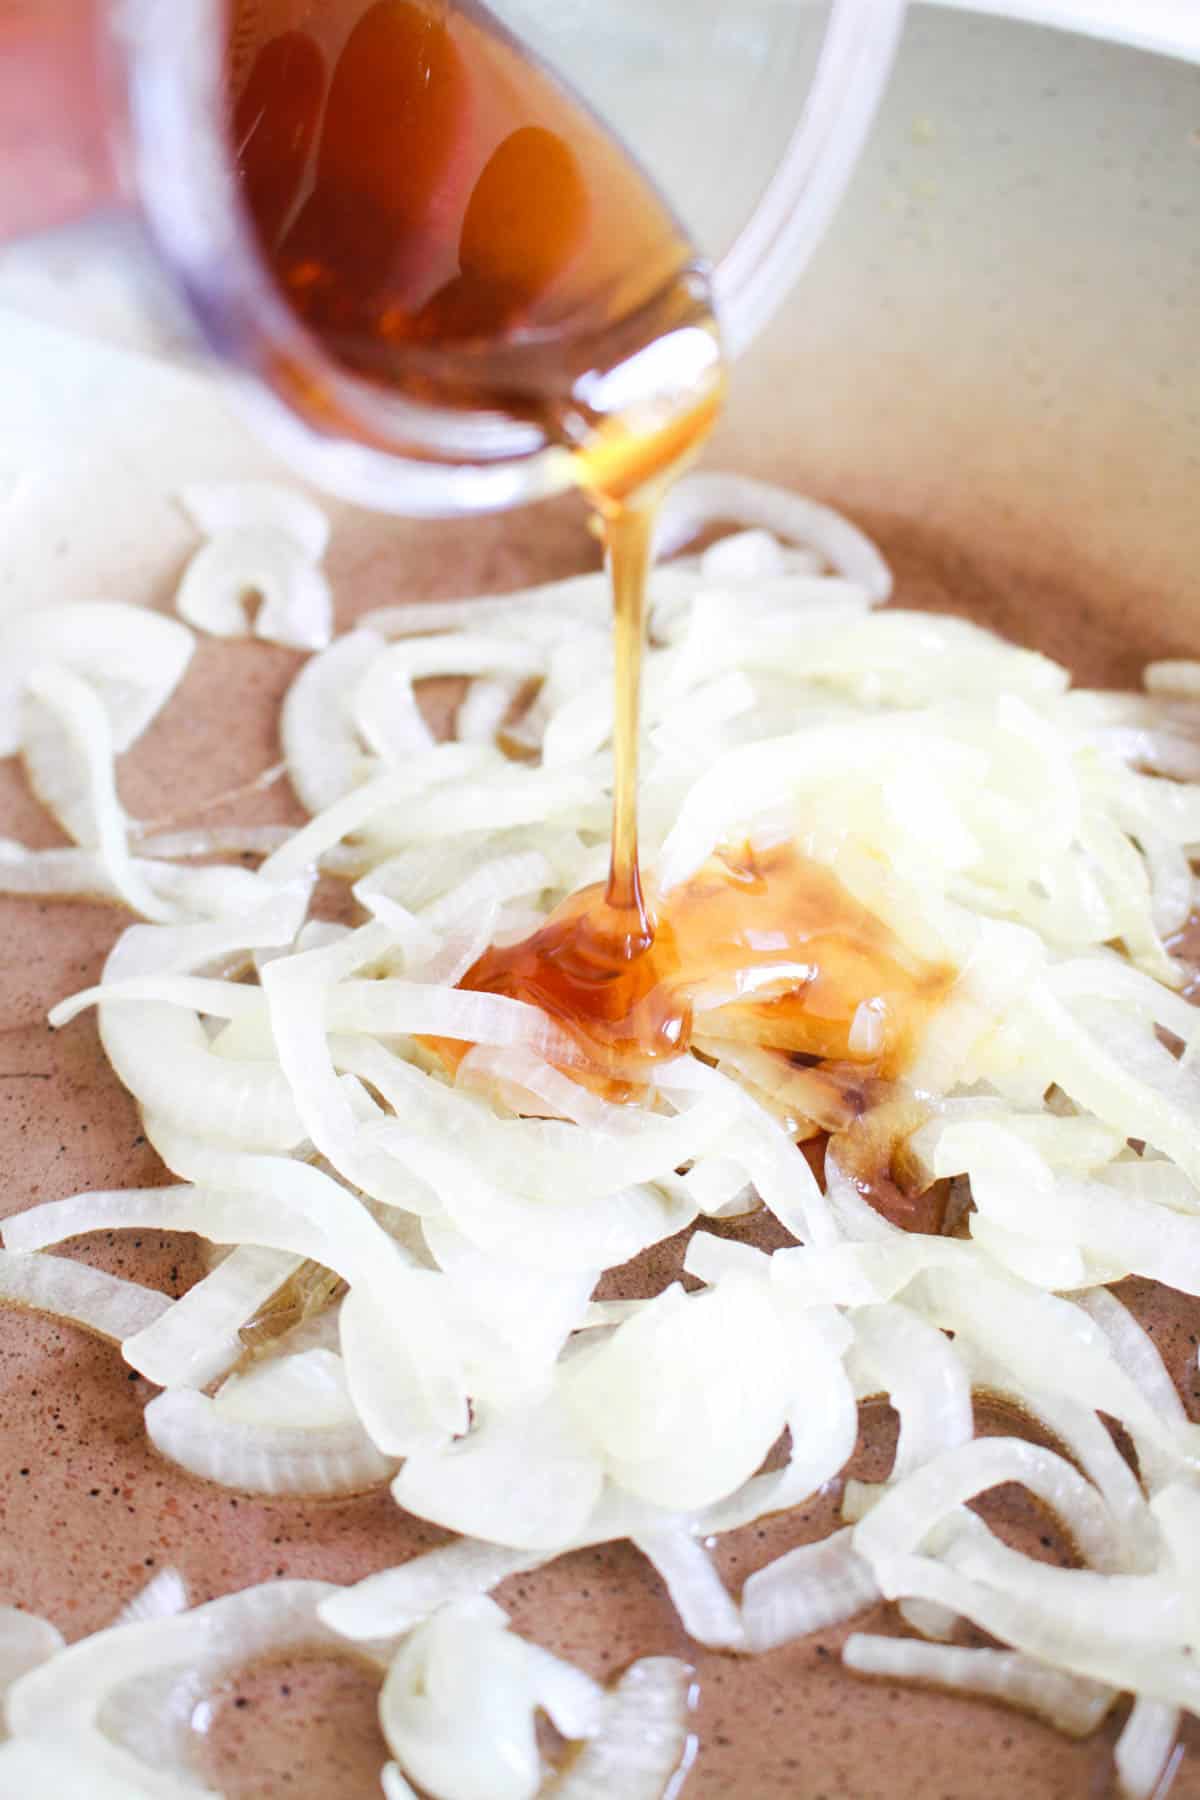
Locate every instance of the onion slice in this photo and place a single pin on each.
(806, 1590)
(164, 1596)
(644, 1738)
(318, 1461)
(132, 657)
(1146, 1755)
(105, 1304)
(1069, 1703)
(394, 1600)
(63, 1699)
(459, 1701)
(195, 1340)
(904, 1517)
(262, 541)
(69, 754)
(711, 499)
(706, 1609)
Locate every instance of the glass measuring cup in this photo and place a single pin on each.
(748, 117)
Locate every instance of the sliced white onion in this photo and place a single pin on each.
(216, 999)
(162, 1054)
(78, 1696)
(396, 1599)
(1016, 1192)
(710, 499)
(79, 1295)
(1131, 1630)
(526, 1479)
(484, 708)
(384, 707)
(806, 1590)
(643, 1740)
(1140, 1359)
(295, 988)
(163, 1596)
(746, 556)
(219, 840)
(296, 602)
(782, 772)
(83, 1762)
(572, 1231)
(1056, 1267)
(1069, 1703)
(530, 1086)
(1085, 1438)
(54, 872)
(929, 1387)
(299, 1387)
(363, 804)
(691, 1432)
(404, 1366)
(1139, 1095)
(1047, 1343)
(394, 1785)
(822, 1422)
(547, 613)
(69, 755)
(283, 1205)
(1110, 1632)
(134, 659)
(325, 757)
(1145, 1752)
(195, 1340)
(928, 1619)
(706, 1609)
(511, 1321)
(458, 1706)
(1172, 677)
(903, 1517)
(191, 1430)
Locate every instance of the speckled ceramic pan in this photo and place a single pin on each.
(992, 364)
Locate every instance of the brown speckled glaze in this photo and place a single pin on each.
(982, 368)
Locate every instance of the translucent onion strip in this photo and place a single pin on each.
(105, 1304)
(69, 754)
(908, 1512)
(66, 1693)
(699, 501)
(195, 1340)
(1069, 1703)
(131, 656)
(265, 540)
(394, 1600)
(163, 1596)
(1145, 1753)
(643, 1740)
(806, 1590)
(318, 1461)
(459, 1702)
(706, 1609)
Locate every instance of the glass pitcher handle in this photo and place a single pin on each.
(769, 254)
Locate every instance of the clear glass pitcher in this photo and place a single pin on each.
(747, 114)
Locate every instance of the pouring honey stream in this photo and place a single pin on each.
(450, 221)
